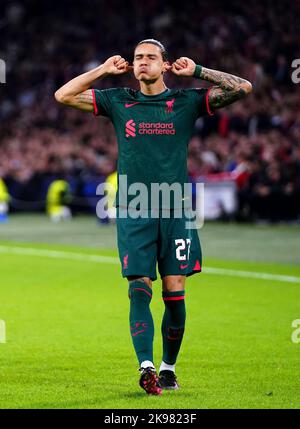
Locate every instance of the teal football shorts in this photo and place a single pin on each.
(165, 241)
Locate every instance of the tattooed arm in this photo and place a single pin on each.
(229, 88)
(76, 92)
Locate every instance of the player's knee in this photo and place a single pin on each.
(173, 283)
(145, 280)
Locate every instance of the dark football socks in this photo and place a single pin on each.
(141, 321)
(173, 325)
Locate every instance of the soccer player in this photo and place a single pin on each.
(4, 200)
(58, 198)
(153, 127)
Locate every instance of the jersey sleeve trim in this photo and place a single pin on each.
(209, 111)
(96, 112)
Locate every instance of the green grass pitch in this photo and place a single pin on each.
(66, 314)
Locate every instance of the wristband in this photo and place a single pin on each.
(197, 72)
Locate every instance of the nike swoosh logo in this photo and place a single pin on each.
(182, 267)
(131, 104)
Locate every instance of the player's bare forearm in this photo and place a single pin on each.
(229, 88)
(76, 92)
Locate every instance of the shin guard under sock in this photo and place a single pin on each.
(173, 325)
(141, 321)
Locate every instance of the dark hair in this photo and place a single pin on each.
(163, 50)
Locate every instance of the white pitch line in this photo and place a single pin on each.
(72, 256)
(251, 274)
(58, 254)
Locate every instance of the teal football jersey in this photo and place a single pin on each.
(153, 132)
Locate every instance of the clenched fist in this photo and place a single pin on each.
(116, 65)
(183, 66)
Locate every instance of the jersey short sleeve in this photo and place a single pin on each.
(200, 101)
(103, 101)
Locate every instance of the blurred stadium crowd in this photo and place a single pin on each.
(257, 140)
